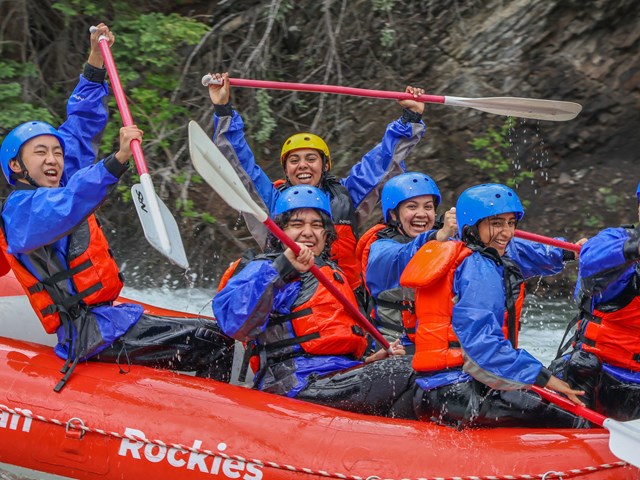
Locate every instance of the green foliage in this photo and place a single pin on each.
(124, 186)
(383, 6)
(594, 221)
(285, 7)
(493, 159)
(387, 37)
(187, 210)
(611, 200)
(71, 9)
(148, 52)
(15, 108)
(264, 123)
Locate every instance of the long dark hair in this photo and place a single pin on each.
(274, 245)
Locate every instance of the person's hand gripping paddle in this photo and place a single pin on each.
(158, 224)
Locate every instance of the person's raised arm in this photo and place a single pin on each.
(386, 159)
(228, 135)
(87, 112)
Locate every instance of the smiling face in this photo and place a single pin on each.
(44, 160)
(417, 215)
(306, 227)
(304, 166)
(497, 231)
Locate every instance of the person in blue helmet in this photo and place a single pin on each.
(302, 342)
(605, 361)
(409, 203)
(468, 299)
(54, 244)
(306, 160)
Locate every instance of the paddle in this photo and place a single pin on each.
(536, 109)
(624, 437)
(216, 170)
(159, 226)
(534, 237)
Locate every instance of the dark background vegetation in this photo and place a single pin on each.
(575, 177)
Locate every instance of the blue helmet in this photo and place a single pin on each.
(405, 186)
(302, 196)
(638, 192)
(18, 137)
(486, 200)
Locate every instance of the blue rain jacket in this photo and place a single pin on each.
(363, 179)
(35, 217)
(243, 306)
(608, 263)
(478, 316)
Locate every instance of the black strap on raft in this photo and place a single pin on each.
(73, 348)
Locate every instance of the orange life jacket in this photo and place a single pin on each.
(318, 323)
(395, 306)
(343, 250)
(614, 337)
(431, 272)
(90, 266)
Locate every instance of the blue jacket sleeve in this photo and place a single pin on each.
(477, 320)
(608, 262)
(37, 217)
(87, 117)
(388, 259)
(243, 306)
(229, 136)
(535, 259)
(384, 161)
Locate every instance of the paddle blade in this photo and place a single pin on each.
(536, 109)
(624, 440)
(172, 247)
(216, 170)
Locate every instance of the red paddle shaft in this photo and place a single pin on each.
(568, 405)
(322, 278)
(336, 89)
(121, 100)
(534, 237)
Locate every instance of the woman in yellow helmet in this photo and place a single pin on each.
(306, 160)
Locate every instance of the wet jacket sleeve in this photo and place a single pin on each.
(608, 263)
(477, 321)
(37, 217)
(535, 259)
(385, 160)
(87, 117)
(243, 306)
(388, 259)
(228, 135)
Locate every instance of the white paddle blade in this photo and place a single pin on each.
(624, 440)
(216, 170)
(553, 110)
(150, 226)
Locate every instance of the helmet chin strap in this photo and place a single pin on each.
(397, 223)
(24, 173)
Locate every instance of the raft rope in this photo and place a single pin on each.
(78, 425)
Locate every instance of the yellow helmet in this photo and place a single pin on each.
(305, 140)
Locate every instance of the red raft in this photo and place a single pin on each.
(164, 425)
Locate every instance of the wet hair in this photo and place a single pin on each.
(274, 244)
